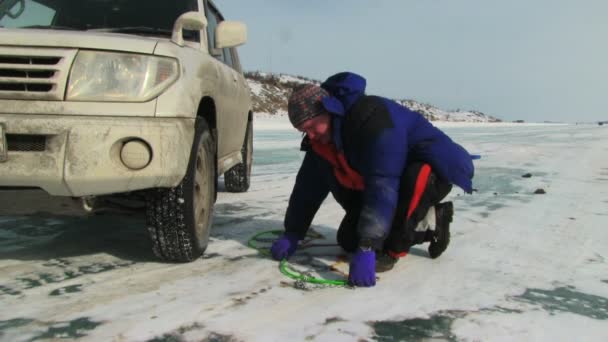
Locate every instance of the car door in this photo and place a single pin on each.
(242, 98)
(230, 122)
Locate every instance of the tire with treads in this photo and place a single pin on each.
(179, 219)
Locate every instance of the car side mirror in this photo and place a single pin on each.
(230, 34)
(7, 6)
(194, 21)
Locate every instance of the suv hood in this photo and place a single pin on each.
(78, 39)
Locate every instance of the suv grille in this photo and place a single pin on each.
(26, 142)
(34, 73)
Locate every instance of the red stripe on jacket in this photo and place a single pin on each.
(421, 180)
(345, 175)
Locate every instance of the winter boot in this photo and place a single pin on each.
(441, 236)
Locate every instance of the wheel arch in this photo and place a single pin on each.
(207, 111)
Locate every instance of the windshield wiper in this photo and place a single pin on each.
(133, 29)
(52, 27)
(142, 30)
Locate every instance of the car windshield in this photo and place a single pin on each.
(149, 16)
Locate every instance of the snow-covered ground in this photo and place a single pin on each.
(521, 266)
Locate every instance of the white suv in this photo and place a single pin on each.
(115, 101)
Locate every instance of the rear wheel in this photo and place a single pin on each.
(238, 178)
(179, 219)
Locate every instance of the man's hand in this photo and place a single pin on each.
(284, 246)
(362, 271)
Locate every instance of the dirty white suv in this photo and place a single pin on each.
(126, 103)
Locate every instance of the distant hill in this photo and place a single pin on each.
(270, 93)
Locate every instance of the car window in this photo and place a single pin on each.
(236, 63)
(16, 13)
(228, 57)
(97, 14)
(213, 18)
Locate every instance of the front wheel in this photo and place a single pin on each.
(238, 178)
(179, 219)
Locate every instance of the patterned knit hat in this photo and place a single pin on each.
(305, 103)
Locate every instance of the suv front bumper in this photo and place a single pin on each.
(81, 155)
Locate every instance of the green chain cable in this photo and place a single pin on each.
(289, 272)
(284, 267)
(262, 251)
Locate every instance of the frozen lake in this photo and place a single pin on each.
(521, 266)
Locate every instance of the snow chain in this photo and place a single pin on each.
(303, 281)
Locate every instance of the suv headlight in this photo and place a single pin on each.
(119, 77)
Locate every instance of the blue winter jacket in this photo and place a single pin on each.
(378, 137)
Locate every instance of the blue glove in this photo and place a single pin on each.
(362, 271)
(285, 246)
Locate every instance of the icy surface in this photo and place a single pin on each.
(520, 266)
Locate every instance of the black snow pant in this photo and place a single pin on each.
(420, 189)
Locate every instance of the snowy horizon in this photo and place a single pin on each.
(275, 94)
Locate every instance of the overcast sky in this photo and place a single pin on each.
(536, 60)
